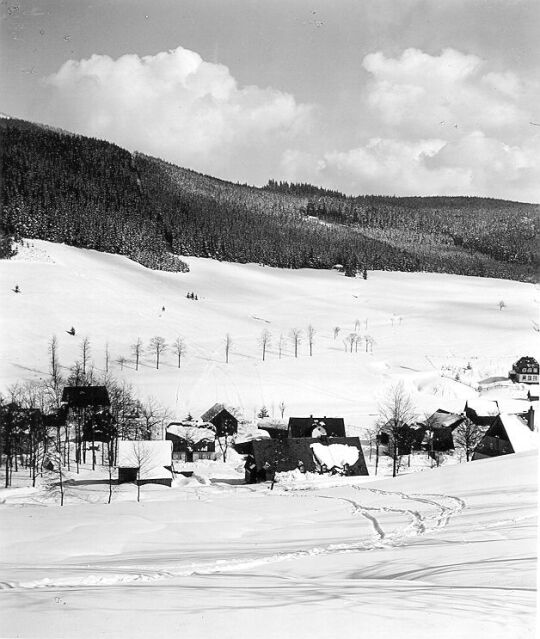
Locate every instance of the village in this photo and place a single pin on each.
(84, 435)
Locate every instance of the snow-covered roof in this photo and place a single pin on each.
(485, 407)
(519, 434)
(335, 454)
(148, 455)
(513, 406)
(192, 433)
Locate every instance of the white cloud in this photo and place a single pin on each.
(428, 124)
(446, 125)
(179, 107)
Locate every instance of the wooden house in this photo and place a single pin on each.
(407, 437)
(222, 420)
(191, 442)
(86, 396)
(439, 428)
(269, 456)
(316, 427)
(145, 462)
(525, 371)
(507, 434)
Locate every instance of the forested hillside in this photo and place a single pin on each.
(89, 193)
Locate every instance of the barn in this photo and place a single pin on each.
(507, 434)
(525, 371)
(145, 462)
(222, 419)
(316, 427)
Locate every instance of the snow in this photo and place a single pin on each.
(219, 559)
(112, 300)
(150, 456)
(520, 436)
(192, 433)
(447, 552)
(335, 455)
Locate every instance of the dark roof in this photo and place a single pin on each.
(303, 426)
(82, 396)
(444, 419)
(213, 412)
(285, 454)
(525, 362)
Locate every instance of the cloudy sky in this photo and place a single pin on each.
(404, 97)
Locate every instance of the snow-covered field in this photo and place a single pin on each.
(447, 552)
(427, 329)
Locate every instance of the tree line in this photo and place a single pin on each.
(90, 193)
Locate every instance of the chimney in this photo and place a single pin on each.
(530, 418)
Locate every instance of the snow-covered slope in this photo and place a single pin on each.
(447, 553)
(420, 322)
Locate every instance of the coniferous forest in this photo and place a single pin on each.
(89, 193)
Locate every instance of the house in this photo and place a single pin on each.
(507, 434)
(316, 427)
(525, 371)
(86, 396)
(277, 429)
(439, 427)
(145, 462)
(407, 437)
(268, 456)
(481, 412)
(191, 442)
(223, 420)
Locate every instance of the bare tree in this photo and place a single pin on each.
(158, 345)
(468, 435)
(54, 369)
(373, 435)
(264, 341)
(281, 345)
(153, 416)
(107, 357)
(228, 345)
(356, 325)
(141, 457)
(396, 412)
(121, 360)
(296, 336)
(336, 331)
(179, 347)
(350, 341)
(85, 353)
(501, 305)
(311, 338)
(137, 349)
(282, 407)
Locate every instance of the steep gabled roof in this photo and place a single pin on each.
(443, 419)
(215, 410)
(519, 434)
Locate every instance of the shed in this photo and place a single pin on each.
(316, 426)
(85, 396)
(222, 419)
(145, 462)
(191, 442)
(507, 434)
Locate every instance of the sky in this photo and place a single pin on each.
(397, 97)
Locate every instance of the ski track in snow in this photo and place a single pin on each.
(420, 524)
